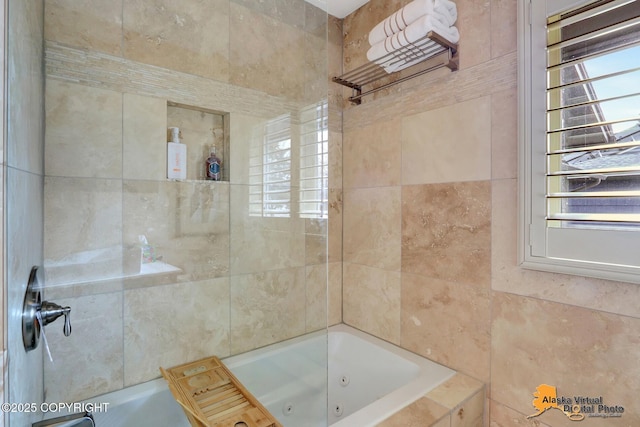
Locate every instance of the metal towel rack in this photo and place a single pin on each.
(430, 46)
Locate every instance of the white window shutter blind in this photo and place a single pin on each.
(580, 161)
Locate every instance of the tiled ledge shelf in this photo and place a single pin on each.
(151, 274)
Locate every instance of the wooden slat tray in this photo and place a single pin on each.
(212, 396)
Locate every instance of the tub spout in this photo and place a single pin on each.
(74, 420)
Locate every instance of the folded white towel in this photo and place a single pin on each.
(443, 10)
(414, 32)
(446, 8)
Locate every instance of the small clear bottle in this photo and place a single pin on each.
(213, 166)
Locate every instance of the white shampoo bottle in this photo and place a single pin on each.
(176, 156)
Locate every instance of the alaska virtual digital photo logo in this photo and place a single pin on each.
(576, 408)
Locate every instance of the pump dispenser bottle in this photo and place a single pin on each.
(214, 166)
(176, 156)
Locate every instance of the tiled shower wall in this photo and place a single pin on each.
(430, 239)
(245, 281)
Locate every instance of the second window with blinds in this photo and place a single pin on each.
(580, 137)
(289, 166)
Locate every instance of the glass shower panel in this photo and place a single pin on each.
(22, 187)
(278, 211)
(161, 272)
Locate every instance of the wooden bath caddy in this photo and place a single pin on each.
(211, 396)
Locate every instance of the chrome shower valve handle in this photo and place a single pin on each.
(37, 313)
(50, 311)
(66, 329)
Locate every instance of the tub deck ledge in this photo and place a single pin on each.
(460, 397)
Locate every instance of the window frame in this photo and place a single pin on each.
(606, 254)
(263, 158)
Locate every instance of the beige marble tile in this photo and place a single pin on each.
(436, 148)
(444, 422)
(181, 36)
(334, 64)
(335, 179)
(371, 300)
(503, 416)
(200, 130)
(421, 413)
(89, 24)
(371, 233)
(316, 241)
(169, 325)
(448, 323)
(508, 276)
(266, 307)
(533, 340)
(373, 155)
(291, 12)
(316, 297)
(250, 130)
(469, 413)
(335, 293)
(97, 69)
(81, 371)
(315, 19)
(187, 223)
(83, 135)
(264, 7)
(446, 231)
(336, 151)
(504, 31)
(475, 26)
(455, 390)
(315, 226)
(82, 230)
(504, 134)
(263, 243)
(315, 249)
(144, 122)
(315, 75)
(324, 295)
(335, 225)
(266, 54)
(335, 116)
(428, 83)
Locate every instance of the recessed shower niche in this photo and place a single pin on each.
(178, 228)
(128, 225)
(201, 130)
